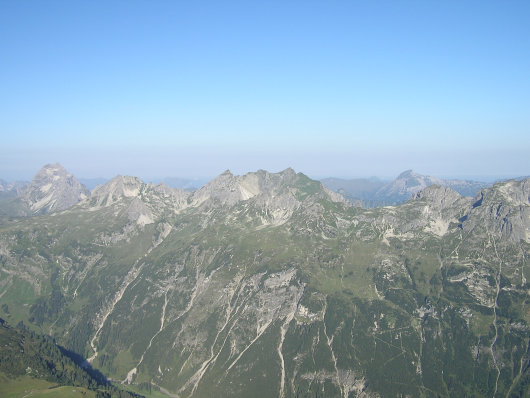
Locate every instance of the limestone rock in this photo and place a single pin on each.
(53, 189)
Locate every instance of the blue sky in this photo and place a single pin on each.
(330, 88)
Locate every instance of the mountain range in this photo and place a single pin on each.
(374, 192)
(22, 198)
(272, 285)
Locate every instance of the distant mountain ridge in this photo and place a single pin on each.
(54, 189)
(15, 186)
(374, 193)
(37, 197)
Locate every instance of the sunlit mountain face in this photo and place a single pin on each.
(269, 284)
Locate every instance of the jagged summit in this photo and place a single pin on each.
(143, 203)
(517, 192)
(127, 186)
(120, 186)
(443, 196)
(288, 172)
(502, 210)
(53, 189)
(229, 189)
(408, 174)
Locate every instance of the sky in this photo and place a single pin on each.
(329, 88)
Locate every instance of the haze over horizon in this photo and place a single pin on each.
(342, 89)
(197, 181)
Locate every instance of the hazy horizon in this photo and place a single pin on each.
(203, 179)
(335, 89)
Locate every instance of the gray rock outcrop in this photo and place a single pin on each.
(53, 189)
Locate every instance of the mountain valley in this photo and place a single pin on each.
(272, 285)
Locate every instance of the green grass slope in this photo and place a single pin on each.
(33, 365)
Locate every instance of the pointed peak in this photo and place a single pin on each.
(260, 172)
(120, 186)
(51, 169)
(53, 188)
(407, 174)
(224, 178)
(288, 172)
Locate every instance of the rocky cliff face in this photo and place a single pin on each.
(116, 189)
(53, 189)
(275, 196)
(502, 212)
(434, 210)
(142, 202)
(266, 284)
(228, 189)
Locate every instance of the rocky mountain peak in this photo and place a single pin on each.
(288, 172)
(264, 186)
(514, 192)
(437, 194)
(409, 183)
(405, 185)
(517, 192)
(53, 189)
(503, 210)
(228, 189)
(407, 174)
(50, 172)
(118, 187)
